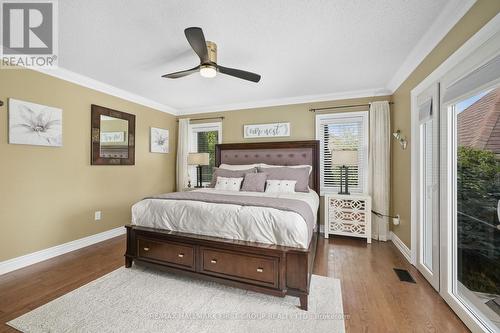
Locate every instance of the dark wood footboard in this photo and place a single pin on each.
(270, 269)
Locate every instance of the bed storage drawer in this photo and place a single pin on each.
(181, 255)
(251, 268)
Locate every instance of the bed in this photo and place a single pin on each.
(245, 242)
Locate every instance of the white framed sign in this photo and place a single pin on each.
(266, 130)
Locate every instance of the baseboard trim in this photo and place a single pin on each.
(405, 251)
(35, 257)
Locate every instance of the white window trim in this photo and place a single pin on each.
(319, 136)
(202, 127)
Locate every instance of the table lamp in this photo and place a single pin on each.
(344, 159)
(198, 159)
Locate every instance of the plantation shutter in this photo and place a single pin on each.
(341, 132)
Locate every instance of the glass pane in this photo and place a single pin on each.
(206, 144)
(339, 138)
(477, 248)
(428, 193)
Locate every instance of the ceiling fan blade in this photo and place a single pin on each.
(197, 41)
(249, 76)
(177, 75)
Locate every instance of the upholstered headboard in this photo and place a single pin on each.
(276, 153)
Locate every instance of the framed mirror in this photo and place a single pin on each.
(113, 137)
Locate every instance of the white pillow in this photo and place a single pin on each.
(235, 167)
(280, 186)
(263, 165)
(228, 184)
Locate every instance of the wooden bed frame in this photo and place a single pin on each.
(271, 269)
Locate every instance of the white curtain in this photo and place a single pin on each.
(182, 154)
(379, 165)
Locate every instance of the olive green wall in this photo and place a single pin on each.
(48, 195)
(473, 21)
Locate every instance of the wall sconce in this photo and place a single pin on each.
(403, 142)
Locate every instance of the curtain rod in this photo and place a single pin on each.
(342, 107)
(208, 118)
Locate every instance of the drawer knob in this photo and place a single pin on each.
(146, 249)
(213, 261)
(181, 255)
(260, 269)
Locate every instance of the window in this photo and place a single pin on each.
(343, 132)
(203, 139)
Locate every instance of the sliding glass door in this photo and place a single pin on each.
(456, 181)
(475, 225)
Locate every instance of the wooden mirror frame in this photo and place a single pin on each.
(95, 158)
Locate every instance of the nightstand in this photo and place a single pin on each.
(348, 215)
(187, 189)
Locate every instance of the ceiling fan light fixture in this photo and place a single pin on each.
(208, 71)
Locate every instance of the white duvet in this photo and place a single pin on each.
(249, 223)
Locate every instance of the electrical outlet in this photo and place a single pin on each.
(97, 215)
(396, 220)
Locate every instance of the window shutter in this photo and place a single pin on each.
(338, 132)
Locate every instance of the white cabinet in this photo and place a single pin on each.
(348, 215)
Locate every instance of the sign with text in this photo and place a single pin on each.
(266, 130)
(29, 34)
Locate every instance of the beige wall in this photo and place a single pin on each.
(48, 195)
(302, 121)
(476, 18)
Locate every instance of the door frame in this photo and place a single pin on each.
(490, 31)
(432, 275)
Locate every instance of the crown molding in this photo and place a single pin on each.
(286, 101)
(449, 16)
(88, 82)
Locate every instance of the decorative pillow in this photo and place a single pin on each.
(280, 186)
(263, 165)
(228, 184)
(254, 182)
(300, 175)
(239, 166)
(229, 174)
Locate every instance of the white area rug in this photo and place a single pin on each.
(138, 299)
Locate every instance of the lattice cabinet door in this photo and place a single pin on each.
(348, 215)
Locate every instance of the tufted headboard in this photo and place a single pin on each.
(277, 153)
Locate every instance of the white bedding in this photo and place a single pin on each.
(249, 223)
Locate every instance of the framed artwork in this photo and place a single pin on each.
(34, 124)
(266, 130)
(159, 140)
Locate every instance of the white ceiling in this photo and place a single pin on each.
(304, 50)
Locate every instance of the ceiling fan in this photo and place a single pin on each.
(208, 67)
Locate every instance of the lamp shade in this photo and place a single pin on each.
(344, 157)
(198, 158)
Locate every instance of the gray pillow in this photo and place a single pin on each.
(301, 175)
(229, 174)
(254, 182)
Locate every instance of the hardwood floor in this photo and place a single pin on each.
(374, 299)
